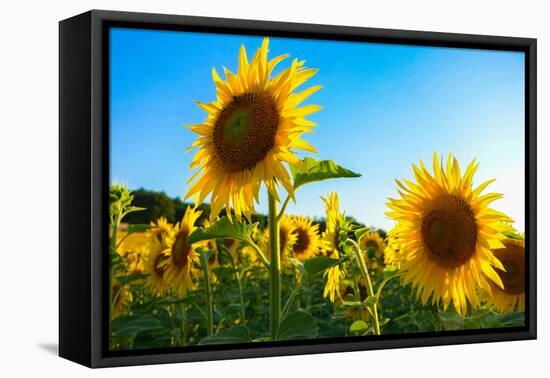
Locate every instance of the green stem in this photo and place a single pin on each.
(291, 298)
(274, 269)
(238, 276)
(241, 297)
(297, 285)
(370, 291)
(208, 290)
(113, 243)
(259, 253)
(283, 208)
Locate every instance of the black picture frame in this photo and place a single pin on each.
(84, 183)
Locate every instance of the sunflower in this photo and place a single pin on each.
(307, 238)
(287, 239)
(337, 228)
(181, 254)
(248, 255)
(132, 248)
(393, 247)
(122, 296)
(209, 246)
(512, 297)
(129, 242)
(372, 243)
(135, 261)
(356, 293)
(154, 256)
(250, 132)
(447, 231)
(373, 246)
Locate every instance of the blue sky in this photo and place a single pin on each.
(385, 107)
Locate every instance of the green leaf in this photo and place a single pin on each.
(359, 326)
(320, 263)
(133, 209)
(124, 280)
(360, 232)
(512, 235)
(370, 301)
(133, 326)
(319, 170)
(298, 325)
(352, 304)
(137, 228)
(115, 258)
(223, 228)
(235, 335)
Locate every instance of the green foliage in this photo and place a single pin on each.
(240, 293)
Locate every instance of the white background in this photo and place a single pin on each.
(29, 189)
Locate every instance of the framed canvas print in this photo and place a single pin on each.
(233, 188)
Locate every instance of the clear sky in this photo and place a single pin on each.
(385, 107)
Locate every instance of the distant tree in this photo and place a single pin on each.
(159, 204)
(156, 204)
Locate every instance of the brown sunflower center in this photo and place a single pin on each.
(513, 260)
(372, 244)
(245, 131)
(181, 249)
(302, 242)
(449, 232)
(212, 258)
(157, 233)
(158, 267)
(282, 241)
(229, 243)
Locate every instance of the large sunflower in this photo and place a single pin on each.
(181, 254)
(307, 238)
(287, 239)
(512, 297)
(447, 230)
(336, 228)
(250, 132)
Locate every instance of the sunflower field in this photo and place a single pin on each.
(216, 276)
